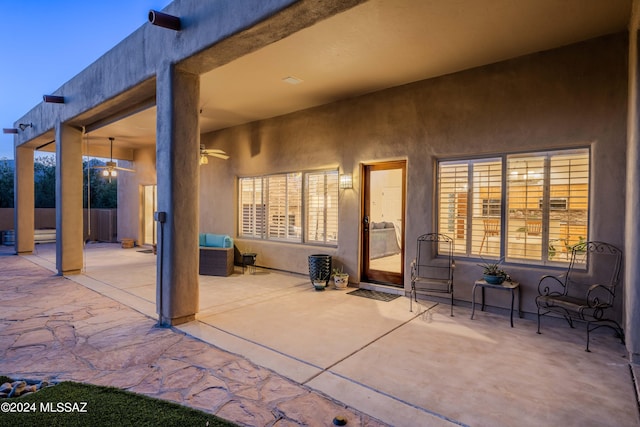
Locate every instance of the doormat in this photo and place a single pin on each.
(376, 295)
(146, 251)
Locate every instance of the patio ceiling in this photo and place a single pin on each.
(377, 45)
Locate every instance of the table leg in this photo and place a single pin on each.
(482, 290)
(473, 300)
(512, 294)
(519, 302)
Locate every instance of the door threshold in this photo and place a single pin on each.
(382, 288)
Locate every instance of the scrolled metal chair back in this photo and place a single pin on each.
(603, 265)
(434, 254)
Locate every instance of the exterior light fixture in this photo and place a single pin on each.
(9, 130)
(346, 181)
(292, 80)
(23, 126)
(53, 99)
(163, 20)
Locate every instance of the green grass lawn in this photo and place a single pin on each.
(62, 405)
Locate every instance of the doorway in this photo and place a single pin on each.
(383, 223)
(149, 206)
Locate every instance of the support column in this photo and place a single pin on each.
(177, 165)
(69, 218)
(24, 200)
(632, 209)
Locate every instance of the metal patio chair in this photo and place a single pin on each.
(584, 294)
(432, 270)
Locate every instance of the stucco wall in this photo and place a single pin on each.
(574, 96)
(130, 192)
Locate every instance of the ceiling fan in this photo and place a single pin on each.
(110, 170)
(213, 152)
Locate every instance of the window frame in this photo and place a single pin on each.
(547, 208)
(263, 228)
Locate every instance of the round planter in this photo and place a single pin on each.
(493, 280)
(319, 269)
(319, 286)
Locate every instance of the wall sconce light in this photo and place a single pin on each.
(23, 126)
(9, 130)
(163, 20)
(346, 181)
(53, 99)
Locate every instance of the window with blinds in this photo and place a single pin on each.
(252, 208)
(271, 207)
(284, 207)
(535, 212)
(453, 186)
(470, 205)
(548, 204)
(322, 207)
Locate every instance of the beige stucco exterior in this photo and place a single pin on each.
(578, 95)
(569, 97)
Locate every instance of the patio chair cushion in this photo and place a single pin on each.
(211, 240)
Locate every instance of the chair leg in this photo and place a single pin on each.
(451, 303)
(570, 321)
(609, 324)
(411, 293)
(539, 321)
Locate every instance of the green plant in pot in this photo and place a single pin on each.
(492, 273)
(320, 283)
(340, 278)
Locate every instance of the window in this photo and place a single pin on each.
(271, 207)
(284, 207)
(470, 202)
(535, 211)
(554, 204)
(322, 207)
(491, 207)
(252, 207)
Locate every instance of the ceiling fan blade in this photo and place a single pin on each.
(220, 156)
(113, 168)
(213, 150)
(123, 169)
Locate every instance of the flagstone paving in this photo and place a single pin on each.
(53, 328)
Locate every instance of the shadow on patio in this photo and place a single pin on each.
(406, 369)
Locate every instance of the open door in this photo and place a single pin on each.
(383, 223)
(149, 206)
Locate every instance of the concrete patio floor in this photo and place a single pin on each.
(405, 369)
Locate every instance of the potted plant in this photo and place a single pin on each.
(340, 278)
(492, 273)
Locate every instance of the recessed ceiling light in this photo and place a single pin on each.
(292, 80)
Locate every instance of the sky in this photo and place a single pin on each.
(44, 43)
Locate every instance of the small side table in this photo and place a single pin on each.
(505, 286)
(249, 260)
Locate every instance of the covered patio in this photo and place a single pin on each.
(406, 369)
